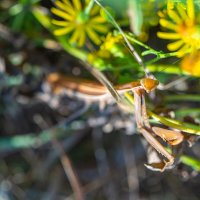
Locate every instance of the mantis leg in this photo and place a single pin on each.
(145, 129)
(159, 148)
(138, 108)
(172, 137)
(144, 112)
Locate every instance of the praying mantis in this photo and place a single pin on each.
(139, 89)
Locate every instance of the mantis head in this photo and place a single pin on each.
(149, 84)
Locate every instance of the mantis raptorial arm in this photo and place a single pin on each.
(159, 148)
(172, 137)
(144, 128)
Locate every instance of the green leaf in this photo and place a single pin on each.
(108, 14)
(42, 16)
(192, 162)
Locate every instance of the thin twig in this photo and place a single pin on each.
(173, 83)
(131, 168)
(131, 48)
(102, 163)
(69, 171)
(102, 79)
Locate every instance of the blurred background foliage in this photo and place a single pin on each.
(101, 141)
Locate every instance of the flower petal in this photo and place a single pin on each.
(95, 10)
(196, 70)
(63, 31)
(182, 11)
(100, 28)
(60, 23)
(62, 14)
(75, 35)
(167, 24)
(191, 64)
(170, 36)
(82, 39)
(98, 19)
(175, 17)
(190, 9)
(68, 4)
(183, 51)
(93, 36)
(175, 45)
(67, 7)
(170, 5)
(77, 5)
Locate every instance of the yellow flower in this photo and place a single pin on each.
(110, 41)
(191, 64)
(79, 20)
(99, 58)
(184, 27)
(108, 51)
(112, 54)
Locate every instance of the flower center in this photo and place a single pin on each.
(82, 18)
(190, 34)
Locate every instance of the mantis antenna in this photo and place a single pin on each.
(131, 48)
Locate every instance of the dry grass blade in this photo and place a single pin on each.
(70, 172)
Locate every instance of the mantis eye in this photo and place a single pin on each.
(149, 84)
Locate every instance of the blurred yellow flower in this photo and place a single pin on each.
(99, 58)
(110, 41)
(79, 20)
(191, 64)
(184, 27)
(107, 52)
